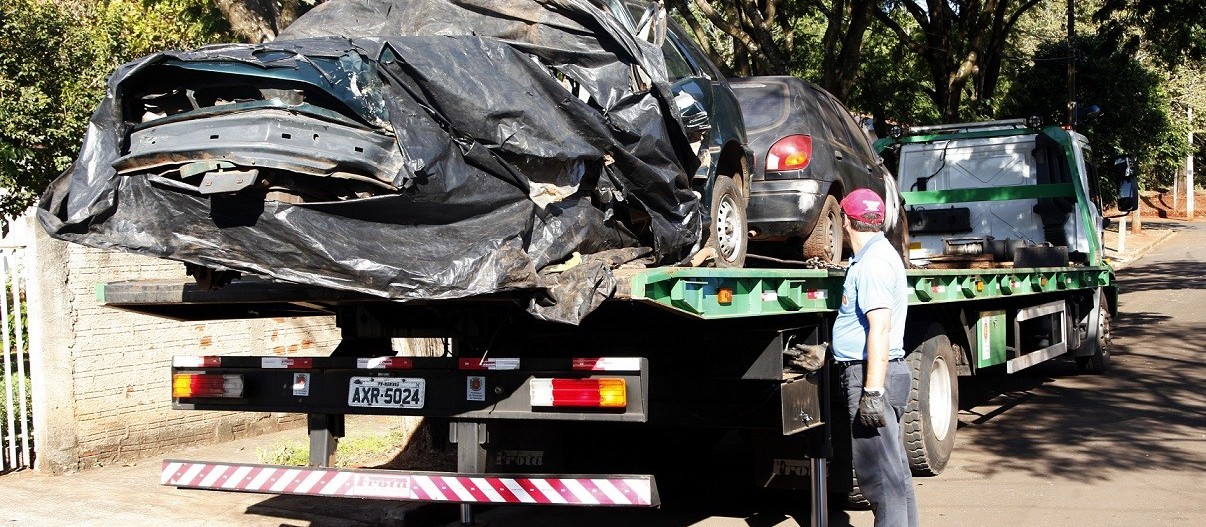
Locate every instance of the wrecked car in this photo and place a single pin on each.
(809, 153)
(418, 149)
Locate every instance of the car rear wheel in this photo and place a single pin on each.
(729, 233)
(825, 240)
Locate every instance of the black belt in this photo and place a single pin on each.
(843, 364)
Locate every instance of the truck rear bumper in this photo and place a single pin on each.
(443, 487)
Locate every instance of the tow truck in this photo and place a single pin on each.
(1006, 271)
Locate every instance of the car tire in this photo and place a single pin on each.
(931, 418)
(728, 234)
(825, 241)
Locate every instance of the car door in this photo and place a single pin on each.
(853, 154)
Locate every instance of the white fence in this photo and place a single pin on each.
(16, 448)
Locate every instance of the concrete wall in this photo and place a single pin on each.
(101, 376)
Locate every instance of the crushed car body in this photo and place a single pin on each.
(408, 149)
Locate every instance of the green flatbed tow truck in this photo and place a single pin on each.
(544, 413)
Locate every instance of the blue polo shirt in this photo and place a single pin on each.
(875, 280)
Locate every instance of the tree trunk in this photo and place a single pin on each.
(253, 20)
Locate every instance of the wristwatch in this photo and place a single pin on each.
(875, 392)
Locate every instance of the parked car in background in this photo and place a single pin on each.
(809, 152)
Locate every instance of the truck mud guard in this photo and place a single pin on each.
(443, 487)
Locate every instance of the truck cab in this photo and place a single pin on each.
(998, 193)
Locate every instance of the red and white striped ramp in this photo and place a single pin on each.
(414, 486)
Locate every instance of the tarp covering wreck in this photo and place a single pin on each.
(409, 149)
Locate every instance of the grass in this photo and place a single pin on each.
(13, 387)
(353, 451)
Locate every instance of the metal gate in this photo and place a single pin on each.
(16, 445)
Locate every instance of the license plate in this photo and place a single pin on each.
(387, 392)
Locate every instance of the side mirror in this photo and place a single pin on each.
(1128, 183)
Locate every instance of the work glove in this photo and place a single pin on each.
(806, 357)
(871, 409)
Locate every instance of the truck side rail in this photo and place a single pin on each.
(703, 293)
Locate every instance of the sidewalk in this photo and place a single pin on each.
(1155, 232)
(131, 496)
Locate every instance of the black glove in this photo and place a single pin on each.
(871, 410)
(806, 357)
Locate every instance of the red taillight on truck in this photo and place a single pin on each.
(185, 385)
(579, 393)
(793, 152)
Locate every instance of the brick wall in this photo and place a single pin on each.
(101, 375)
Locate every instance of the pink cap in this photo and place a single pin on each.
(864, 205)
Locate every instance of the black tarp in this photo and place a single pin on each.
(501, 170)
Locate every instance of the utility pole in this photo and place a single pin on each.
(1189, 195)
(1071, 65)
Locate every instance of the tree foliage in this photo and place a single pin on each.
(1175, 30)
(961, 43)
(774, 37)
(1134, 99)
(54, 60)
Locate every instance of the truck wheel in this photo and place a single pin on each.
(729, 233)
(825, 240)
(1098, 362)
(931, 417)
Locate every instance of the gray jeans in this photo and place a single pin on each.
(878, 453)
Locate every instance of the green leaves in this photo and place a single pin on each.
(54, 60)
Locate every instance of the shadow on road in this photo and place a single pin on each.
(1147, 413)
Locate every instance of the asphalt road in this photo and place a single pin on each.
(1043, 447)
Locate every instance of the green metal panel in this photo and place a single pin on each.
(754, 292)
(964, 195)
(757, 292)
(990, 339)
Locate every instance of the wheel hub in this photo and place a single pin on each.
(940, 398)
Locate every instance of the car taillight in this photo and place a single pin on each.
(579, 393)
(790, 153)
(206, 385)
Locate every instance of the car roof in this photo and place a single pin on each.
(770, 102)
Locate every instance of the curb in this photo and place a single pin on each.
(1119, 264)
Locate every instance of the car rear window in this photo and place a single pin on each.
(762, 104)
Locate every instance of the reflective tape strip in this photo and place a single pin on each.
(488, 364)
(385, 363)
(608, 364)
(182, 361)
(398, 485)
(292, 363)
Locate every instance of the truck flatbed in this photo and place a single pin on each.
(704, 293)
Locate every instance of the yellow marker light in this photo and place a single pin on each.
(725, 296)
(613, 393)
(797, 159)
(1043, 281)
(979, 286)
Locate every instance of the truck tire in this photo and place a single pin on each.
(932, 415)
(728, 235)
(1098, 361)
(825, 240)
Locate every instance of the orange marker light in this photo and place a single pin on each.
(724, 296)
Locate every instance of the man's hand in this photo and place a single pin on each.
(871, 410)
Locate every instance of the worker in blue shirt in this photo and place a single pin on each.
(868, 349)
